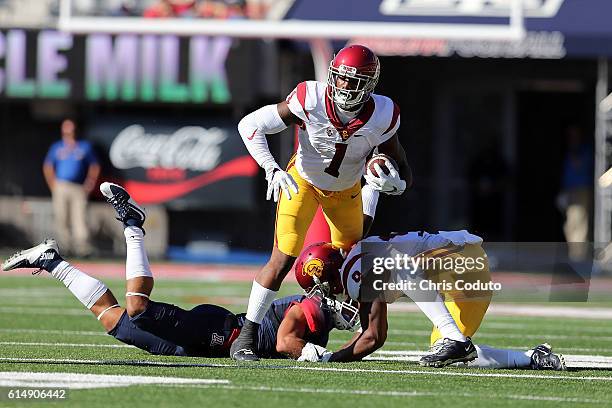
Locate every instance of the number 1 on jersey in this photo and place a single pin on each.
(334, 165)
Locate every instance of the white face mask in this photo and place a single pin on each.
(358, 94)
(346, 99)
(345, 314)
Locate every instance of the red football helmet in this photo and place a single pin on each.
(318, 268)
(359, 66)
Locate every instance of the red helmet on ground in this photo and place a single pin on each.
(318, 268)
(359, 66)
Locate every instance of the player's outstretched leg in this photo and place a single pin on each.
(94, 295)
(538, 358)
(139, 279)
(264, 290)
(91, 292)
(46, 256)
(187, 329)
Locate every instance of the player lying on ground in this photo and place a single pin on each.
(459, 312)
(340, 122)
(293, 325)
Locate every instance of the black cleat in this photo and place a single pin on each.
(44, 256)
(543, 358)
(450, 352)
(243, 349)
(130, 213)
(244, 354)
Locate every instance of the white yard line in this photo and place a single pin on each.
(91, 381)
(543, 325)
(43, 311)
(513, 346)
(303, 390)
(507, 309)
(496, 309)
(457, 374)
(478, 335)
(37, 344)
(101, 333)
(60, 291)
(480, 373)
(333, 341)
(88, 381)
(572, 360)
(61, 332)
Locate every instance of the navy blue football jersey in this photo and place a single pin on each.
(319, 323)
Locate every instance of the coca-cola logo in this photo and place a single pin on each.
(189, 148)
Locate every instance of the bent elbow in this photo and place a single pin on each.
(282, 346)
(242, 126)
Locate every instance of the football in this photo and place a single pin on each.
(383, 161)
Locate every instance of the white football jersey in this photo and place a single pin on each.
(331, 155)
(412, 244)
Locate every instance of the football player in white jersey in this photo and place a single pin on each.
(341, 123)
(444, 260)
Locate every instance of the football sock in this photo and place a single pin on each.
(248, 333)
(84, 287)
(136, 263)
(432, 305)
(489, 357)
(128, 333)
(259, 302)
(439, 315)
(442, 319)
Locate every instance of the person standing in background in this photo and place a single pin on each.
(576, 195)
(71, 169)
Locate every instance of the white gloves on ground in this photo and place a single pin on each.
(313, 353)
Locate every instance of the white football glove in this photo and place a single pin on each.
(313, 353)
(278, 179)
(386, 183)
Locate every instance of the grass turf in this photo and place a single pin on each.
(39, 319)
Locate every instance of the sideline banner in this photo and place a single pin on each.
(193, 164)
(49, 64)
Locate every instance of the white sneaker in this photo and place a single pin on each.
(41, 256)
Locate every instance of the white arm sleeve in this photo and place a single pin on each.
(253, 129)
(369, 199)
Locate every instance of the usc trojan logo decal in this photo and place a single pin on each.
(314, 267)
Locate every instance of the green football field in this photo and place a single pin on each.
(47, 339)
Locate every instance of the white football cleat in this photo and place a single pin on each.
(43, 256)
